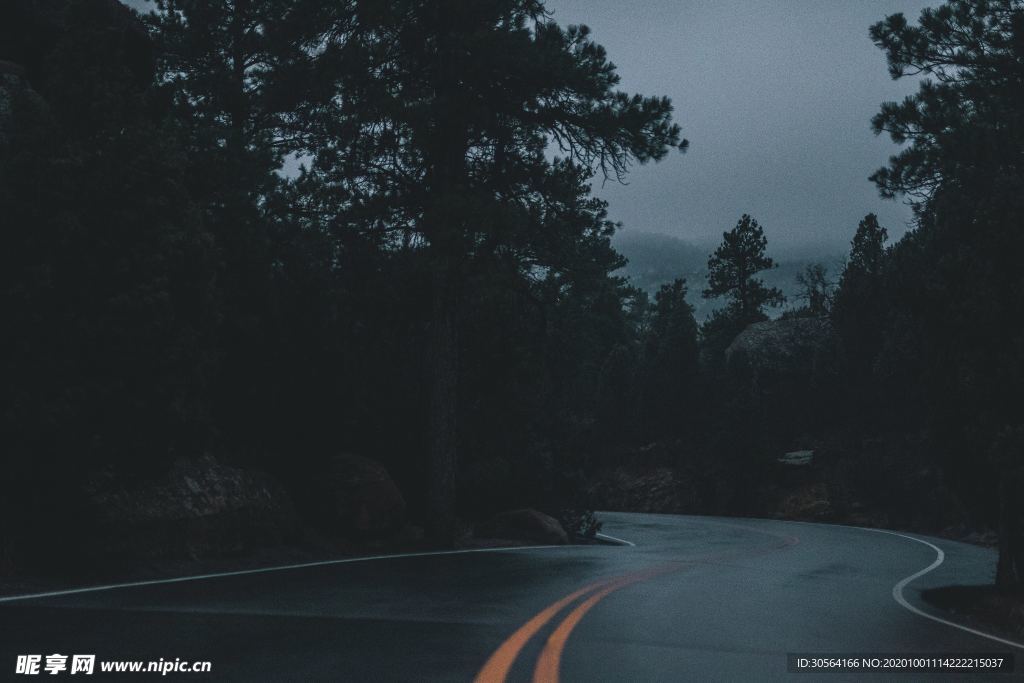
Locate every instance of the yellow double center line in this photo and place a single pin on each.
(497, 668)
(499, 665)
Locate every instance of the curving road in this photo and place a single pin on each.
(695, 598)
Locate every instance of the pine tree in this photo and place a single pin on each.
(108, 282)
(954, 283)
(669, 361)
(439, 140)
(867, 250)
(733, 269)
(231, 72)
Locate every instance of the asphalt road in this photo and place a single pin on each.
(695, 598)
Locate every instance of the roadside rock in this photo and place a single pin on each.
(363, 500)
(810, 503)
(200, 507)
(524, 525)
(633, 489)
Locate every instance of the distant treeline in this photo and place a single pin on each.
(656, 259)
(433, 289)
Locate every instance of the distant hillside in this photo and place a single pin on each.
(656, 259)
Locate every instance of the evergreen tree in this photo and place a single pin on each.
(860, 314)
(232, 72)
(441, 133)
(669, 361)
(108, 282)
(733, 269)
(861, 300)
(867, 251)
(953, 282)
(965, 121)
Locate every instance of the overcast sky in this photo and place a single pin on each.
(776, 99)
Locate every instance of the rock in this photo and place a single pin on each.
(524, 525)
(810, 503)
(987, 538)
(201, 487)
(642, 489)
(363, 500)
(199, 507)
(797, 459)
(786, 343)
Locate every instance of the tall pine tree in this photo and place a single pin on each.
(439, 139)
(733, 269)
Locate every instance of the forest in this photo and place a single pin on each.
(273, 231)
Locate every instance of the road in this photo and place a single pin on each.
(695, 598)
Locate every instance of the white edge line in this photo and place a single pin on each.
(267, 570)
(617, 540)
(897, 590)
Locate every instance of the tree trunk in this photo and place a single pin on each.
(443, 381)
(445, 145)
(1010, 568)
(237, 109)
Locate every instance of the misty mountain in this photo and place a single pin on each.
(656, 259)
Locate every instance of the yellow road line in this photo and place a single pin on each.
(500, 663)
(551, 658)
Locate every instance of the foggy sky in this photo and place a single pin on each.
(776, 99)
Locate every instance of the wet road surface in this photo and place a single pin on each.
(695, 598)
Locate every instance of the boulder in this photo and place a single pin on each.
(363, 500)
(524, 525)
(803, 458)
(783, 344)
(200, 507)
(642, 489)
(811, 503)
